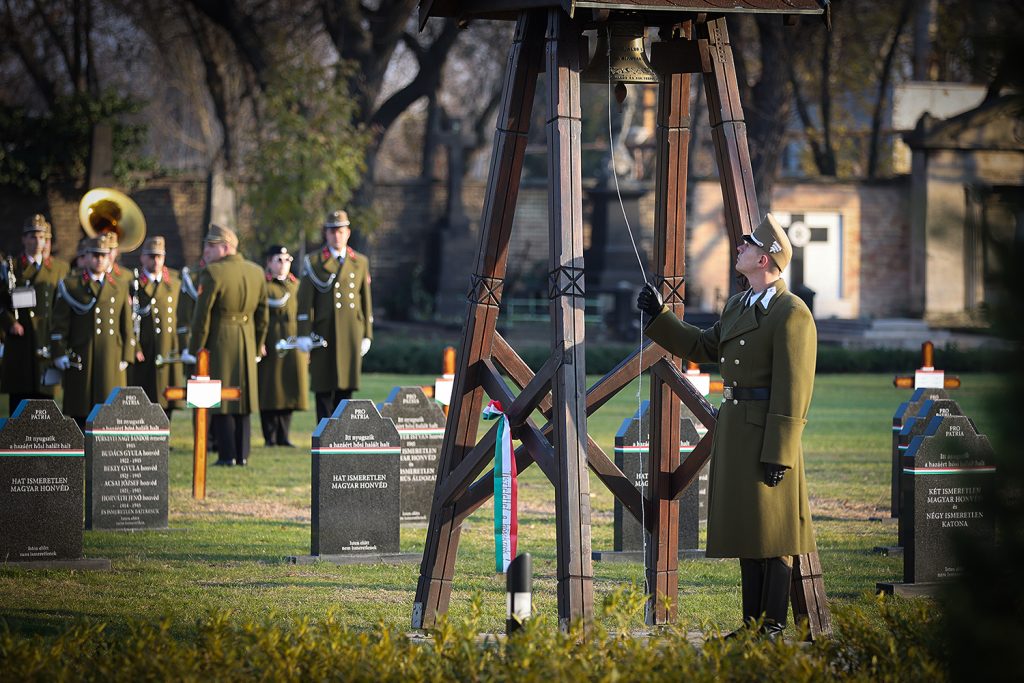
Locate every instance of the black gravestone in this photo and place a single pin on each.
(907, 409)
(41, 487)
(914, 426)
(126, 463)
(632, 457)
(356, 487)
(948, 474)
(420, 423)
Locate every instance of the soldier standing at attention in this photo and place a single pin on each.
(159, 288)
(284, 383)
(26, 323)
(335, 303)
(92, 320)
(230, 320)
(766, 344)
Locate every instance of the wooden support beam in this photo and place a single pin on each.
(807, 595)
(622, 374)
(729, 133)
(698, 405)
(524, 61)
(566, 292)
(471, 466)
(675, 59)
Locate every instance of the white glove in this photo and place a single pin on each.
(258, 359)
(304, 344)
(62, 363)
(122, 366)
(187, 357)
(365, 346)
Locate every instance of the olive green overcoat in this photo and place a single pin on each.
(335, 303)
(230, 320)
(284, 380)
(773, 348)
(22, 367)
(158, 310)
(94, 322)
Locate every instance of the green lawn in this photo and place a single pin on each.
(227, 552)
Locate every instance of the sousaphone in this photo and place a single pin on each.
(103, 209)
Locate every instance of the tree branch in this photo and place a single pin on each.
(883, 86)
(46, 87)
(427, 79)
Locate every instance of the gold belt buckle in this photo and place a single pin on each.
(727, 393)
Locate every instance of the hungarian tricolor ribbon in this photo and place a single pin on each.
(506, 490)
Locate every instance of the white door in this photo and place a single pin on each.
(817, 238)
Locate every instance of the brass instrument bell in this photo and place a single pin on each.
(626, 62)
(103, 209)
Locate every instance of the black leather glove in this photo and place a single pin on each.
(649, 301)
(773, 473)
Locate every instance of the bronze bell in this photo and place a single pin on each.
(627, 61)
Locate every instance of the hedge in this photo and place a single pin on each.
(902, 641)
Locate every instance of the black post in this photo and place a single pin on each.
(519, 585)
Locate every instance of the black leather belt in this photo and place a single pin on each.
(746, 393)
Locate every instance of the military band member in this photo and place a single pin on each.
(230, 321)
(284, 383)
(766, 343)
(92, 324)
(158, 290)
(335, 303)
(26, 325)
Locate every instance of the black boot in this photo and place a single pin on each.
(775, 595)
(752, 583)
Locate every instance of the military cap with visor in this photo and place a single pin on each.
(336, 219)
(278, 250)
(772, 240)
(36, 223)
(155, 245)
(103, 243)
(218, 233)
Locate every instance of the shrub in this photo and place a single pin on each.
(902, 645)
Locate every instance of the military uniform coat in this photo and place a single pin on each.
(22, 367)
(158, 310)
(284, 380)
(230, 320)
(95, 322)
(773, 348)
(335, 303)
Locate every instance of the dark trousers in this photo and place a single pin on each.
(276, 424)
(765, 584)
(232, 432)
(15, 399)
(327, 401)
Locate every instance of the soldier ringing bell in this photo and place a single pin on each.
(766, 345)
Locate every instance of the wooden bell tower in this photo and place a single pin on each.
(548, 38)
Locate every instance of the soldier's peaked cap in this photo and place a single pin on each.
(336, 219)
(771, 238)
(36, 223)
(218, 233)
(155, 245)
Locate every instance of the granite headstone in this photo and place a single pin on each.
(906, 410)
(41, 484)
(915, 425)
(632, 457)
(420, 423)
(356, 482)
(126, 454)
(948, 475)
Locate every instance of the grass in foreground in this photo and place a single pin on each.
(225, 555)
